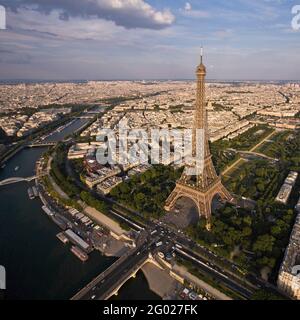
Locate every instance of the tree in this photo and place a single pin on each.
(260, 172)
(247, 220)
(276, 230)
(115, 192)
(266, 295)
(261, 187)
(124, 188)
(246, 232)
(264, 243)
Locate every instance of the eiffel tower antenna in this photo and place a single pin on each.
(201, 55)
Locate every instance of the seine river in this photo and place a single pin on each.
(38, 265)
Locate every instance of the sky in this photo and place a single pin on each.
(149, 39)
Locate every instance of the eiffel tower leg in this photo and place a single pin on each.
(225, 195)
(170, 202)
(207, 209)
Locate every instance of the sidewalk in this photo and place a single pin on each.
(182, 271)
(159, 280)
(104, 220)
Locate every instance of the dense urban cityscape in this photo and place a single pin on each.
(251, 125)
(183, 187)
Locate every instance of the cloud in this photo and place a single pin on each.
(127, 13)
(188, 7)
(190, 12)
(34, 25)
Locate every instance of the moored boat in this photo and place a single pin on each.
(30, 193)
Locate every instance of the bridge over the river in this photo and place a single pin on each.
(16, 180)
(109, 282)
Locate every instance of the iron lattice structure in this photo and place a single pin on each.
(203, 186)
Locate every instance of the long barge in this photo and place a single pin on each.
(55, 217)
(61, 236)
(79, 253)
(49, 212)
(78, 241)
(59, 221)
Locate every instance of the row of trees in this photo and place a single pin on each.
(65, 202)
(58, 172)
(93, 202)
(250, 138)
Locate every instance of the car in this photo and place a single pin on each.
(158, 244)
(193, 296)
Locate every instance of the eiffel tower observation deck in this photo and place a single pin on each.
(203, 184)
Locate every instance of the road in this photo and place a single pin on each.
(209, 269)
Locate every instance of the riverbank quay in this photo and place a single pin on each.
(91, 231)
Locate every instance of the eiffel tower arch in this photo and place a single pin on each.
(202, 199)
(203, 186)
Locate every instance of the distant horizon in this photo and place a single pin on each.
(208, 80)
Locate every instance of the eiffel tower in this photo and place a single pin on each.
(205, 184)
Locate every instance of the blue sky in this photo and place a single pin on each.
(148, 39)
